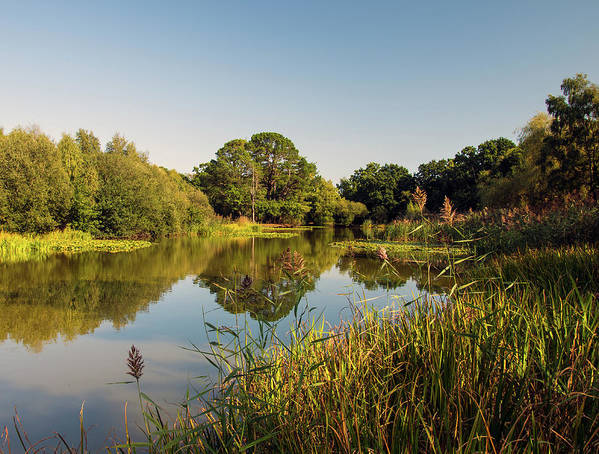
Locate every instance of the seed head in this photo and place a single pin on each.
(293, 263)
(381, 252)
(246, 282)
(135, 362)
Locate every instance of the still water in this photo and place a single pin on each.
(67, 322)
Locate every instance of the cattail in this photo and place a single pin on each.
(135, 362)
(381, 252)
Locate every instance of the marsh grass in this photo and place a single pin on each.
(408, 252)
(500, 231)
(501, 366)
(16, 247)
(245, 228)
(561, 269)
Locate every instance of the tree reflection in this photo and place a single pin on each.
(67, 296)
(373, 275)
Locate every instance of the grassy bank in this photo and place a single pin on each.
(15, 247)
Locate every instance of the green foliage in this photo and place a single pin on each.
(35, 193)
(44, 186)
(18, 248)
(266, 179)
(565, 269)
(285, 174)
(324, 199)
(460, 178)
(511, 230)
(349, 213)
(405, 252)
(384, 190)
(571, 153)
(229, 180)
(83, 176)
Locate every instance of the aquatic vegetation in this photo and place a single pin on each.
(415, 252)
(15, 247)
(245, 229)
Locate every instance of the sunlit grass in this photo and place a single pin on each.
(243, 229)
(16, 247)
(500, 366)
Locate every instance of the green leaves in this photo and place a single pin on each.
(570, 156)
(44, 187)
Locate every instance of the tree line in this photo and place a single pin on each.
(557, 153)
(118, 192)
(113, 193)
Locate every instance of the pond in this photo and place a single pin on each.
(67, 322)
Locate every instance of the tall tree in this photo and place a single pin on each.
(83, 176)
(285, 174)
(436, 178)
(231, 180)
(571, 152)
(88, 143)
(474, 166)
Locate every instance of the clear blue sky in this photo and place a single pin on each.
(348, 82)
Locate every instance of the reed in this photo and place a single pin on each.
(500, 366)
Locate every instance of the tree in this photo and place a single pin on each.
(474, 167)
(35, 194)
(88, 143)
(44, 186)
(436, 179)
(230, 180)
(348, 212)
(120, 145)
(324, 199)
(571, 152)
(265, 178)
(285, 174)
(384, 190)
(525, 182)
(83, 177)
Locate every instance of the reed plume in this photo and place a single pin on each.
(135, 362)
(381, 253)
(419, 196)
(293, 263)
(447, 211)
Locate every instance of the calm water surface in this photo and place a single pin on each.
(67, 322)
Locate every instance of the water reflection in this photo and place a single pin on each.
(68, 296)
(374, 275)
(67, 322)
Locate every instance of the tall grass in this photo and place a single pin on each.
(499, 367)
(502, 231)
(561, 269)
